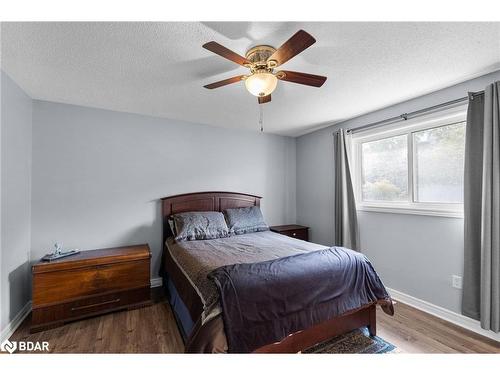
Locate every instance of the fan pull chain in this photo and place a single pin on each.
(261, 118)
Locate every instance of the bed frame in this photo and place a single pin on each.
(297, 341)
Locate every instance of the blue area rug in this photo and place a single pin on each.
(358, 341)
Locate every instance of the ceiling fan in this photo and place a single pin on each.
(262, 60)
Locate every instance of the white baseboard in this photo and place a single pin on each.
(21, 315)
(157, 281)
(16, 322)
(445, 314)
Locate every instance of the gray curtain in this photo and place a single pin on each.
(481, 286)
(346, 222)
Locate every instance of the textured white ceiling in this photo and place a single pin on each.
(159, 68)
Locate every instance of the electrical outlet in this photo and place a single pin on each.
(456, 281)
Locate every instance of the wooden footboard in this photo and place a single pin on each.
(301, 340)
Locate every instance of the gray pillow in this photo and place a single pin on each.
(245, 220)
(200, 226)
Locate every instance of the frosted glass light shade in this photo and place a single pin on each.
(261, 84)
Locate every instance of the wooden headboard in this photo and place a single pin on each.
(204, 201)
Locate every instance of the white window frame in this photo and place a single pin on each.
(429, 121)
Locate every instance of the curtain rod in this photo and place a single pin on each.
(405, 116)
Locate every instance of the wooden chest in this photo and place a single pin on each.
(90, 283)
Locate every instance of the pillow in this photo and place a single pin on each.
(245, 220)
(200, 226)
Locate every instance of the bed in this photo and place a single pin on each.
(194, 297)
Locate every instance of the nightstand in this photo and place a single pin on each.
(293, 230)
(90, 283)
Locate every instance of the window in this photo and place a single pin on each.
(415, 166)
(385, 169)
(439, 164)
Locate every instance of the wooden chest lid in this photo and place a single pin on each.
(90, 258)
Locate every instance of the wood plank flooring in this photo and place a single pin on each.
(414, 331)
(153, 330)
(150, 329)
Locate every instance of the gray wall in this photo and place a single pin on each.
(98, 175)
(413, 254)
(16, 109)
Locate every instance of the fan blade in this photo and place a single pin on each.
(301, 78)
(292, 47)
(226, 53)
(264, 99)
(224, 82)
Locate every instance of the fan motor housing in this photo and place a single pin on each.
(258, 55)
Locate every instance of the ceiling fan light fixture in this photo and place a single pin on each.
(261, 84)
(262, 60)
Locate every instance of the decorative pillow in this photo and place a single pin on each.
(200, 226)
(245, 220)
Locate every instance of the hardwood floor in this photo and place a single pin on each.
(153, 330)
(414, 331)
(150, 329)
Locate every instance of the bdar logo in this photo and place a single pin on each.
(8, 346)
(24, 346)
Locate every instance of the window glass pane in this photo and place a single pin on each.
(385, 169)
(439, 164)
